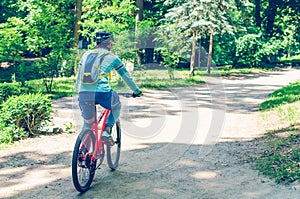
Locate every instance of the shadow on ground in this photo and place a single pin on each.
(185, 176)
(160, 169)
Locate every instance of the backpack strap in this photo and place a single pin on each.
(101, 60)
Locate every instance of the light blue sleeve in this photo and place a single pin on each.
(128, 80)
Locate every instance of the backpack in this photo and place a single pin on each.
(90, 70)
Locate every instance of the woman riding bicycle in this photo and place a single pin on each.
(99, 91)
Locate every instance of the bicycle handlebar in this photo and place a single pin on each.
(128, 95)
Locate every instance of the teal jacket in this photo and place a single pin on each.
(110, 62)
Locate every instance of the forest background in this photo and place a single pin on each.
(45, 35)
(42, 41)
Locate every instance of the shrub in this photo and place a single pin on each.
(247, 49)
(6, 74)
(252, 50)
(26, 70)
(26, 113)
(11, 89)
(9, 134)
(170, 61)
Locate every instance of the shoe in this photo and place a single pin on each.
(107, 138)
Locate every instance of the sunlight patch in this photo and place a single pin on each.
(204, 175)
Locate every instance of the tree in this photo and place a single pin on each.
(112, 15)
(139, 13)
(11, 45)
(201, 18)
(49, 34)
(171, 51)
(8, 10)
(78, 10)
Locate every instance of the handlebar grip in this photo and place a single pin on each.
(140, 94)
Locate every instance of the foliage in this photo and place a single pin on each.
(7, 10)
(171, 51)
(145, 35)
(247, 49)
(48, 22)
(26, 70)
(270, 48)
(114, 16)
(49, 34)
(170, 60)
(6, 74)
(12, 89)
(199, 19)
(11, 45)
(253, 51)
(125, 46)
(224, 49)
(53, 66)
(62, 87)
(155, 10)
(26, 113)
(9, 133)
(287, 94)
(281, 160)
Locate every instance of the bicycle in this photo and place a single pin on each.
(89, 152)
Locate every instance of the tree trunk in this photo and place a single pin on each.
(271, 13)
(78, 19)
(192, 64)
(139, 17)
(257, 13)
(140, 5)
(149, 53)
(209, 60)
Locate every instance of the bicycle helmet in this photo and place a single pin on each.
(103, 37)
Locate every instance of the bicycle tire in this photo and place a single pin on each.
(113, 152)
(83, 168)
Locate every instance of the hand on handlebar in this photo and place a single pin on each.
(140, 94)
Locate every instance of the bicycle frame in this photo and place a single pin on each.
(101, 120)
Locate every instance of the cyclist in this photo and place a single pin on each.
(100, 91)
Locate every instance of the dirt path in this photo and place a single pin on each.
(178, 143)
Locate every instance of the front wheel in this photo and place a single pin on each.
(83, 168)
(113, 152)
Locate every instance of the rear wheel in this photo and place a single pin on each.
(83, 168)
(113, 152)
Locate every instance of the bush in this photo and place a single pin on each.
(26, 70)
(170, 61)
(247, 49)
(27, 113)
(252, 50)
(12, 89)
(9, 134)
(6, 74)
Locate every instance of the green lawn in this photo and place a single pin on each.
(287, 94)
(146, 79)
(281, 118)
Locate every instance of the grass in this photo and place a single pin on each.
(281, 161)
(159, 79)
(62, 87)
(287, 94)
(281, 118)
(146, 79)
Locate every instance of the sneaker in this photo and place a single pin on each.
(107, 138)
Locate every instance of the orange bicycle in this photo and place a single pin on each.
(89, 152)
